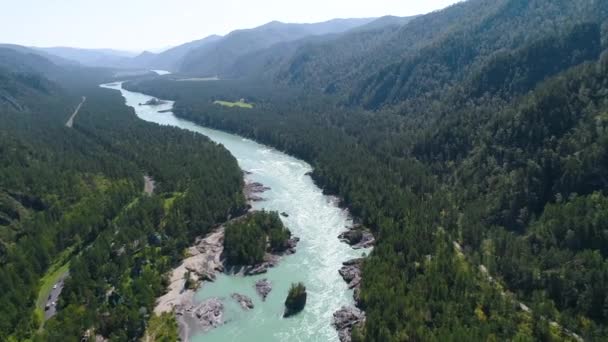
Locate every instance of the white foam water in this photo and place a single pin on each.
(313, 217)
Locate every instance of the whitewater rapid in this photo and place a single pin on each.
(313, 217)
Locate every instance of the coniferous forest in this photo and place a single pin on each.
(472, 141)
(480, 165)
(75, 195)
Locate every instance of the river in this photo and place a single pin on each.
(313, 217)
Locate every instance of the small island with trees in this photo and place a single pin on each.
(296, 299)
(153, 102)
(247, 241)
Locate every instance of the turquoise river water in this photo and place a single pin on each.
(313, 217)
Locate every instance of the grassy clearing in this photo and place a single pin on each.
(169, 201)
(240, 103)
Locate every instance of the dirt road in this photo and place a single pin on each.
(50, 308)
(149, 185)
(70, 122)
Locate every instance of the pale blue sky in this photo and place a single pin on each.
(146, 24)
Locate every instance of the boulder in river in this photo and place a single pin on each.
(358, 238)
(263, 288)
(284, 214)
(255, 270)
(245, 302)
(345, 320)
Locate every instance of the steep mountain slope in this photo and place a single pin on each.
(389, 65)
(50, 57)
(28, 62)
(217, 58)
(15, 61)
(267, 63)
(487, 28)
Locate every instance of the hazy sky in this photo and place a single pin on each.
(146, 24)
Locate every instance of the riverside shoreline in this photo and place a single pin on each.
(311, 215)
(203, 262)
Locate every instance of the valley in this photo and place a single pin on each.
(423, 177)
(313, 217)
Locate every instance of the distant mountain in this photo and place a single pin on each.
(219, 57)
(90, 57)
(171, 58)
(145, 58)
(50, 57)
(208, 56)
(386, 21)
(280, 60)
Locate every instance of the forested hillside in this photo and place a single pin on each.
(286, 57)
(472, 141)
(72, 198)
(481, 169)
(391, 64)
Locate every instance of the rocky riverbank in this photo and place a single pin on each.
(358, 237)
(346, 319)
(351, 273)
(270, 260)
(253, 190)
(202, 263)
(205, 316)
(349, 317)
(205, 258)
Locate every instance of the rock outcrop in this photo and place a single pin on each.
(346, 319)
(203, 261)
(263, 288)
(290, 246)
(245, 302)
(272, 259)
(358, 238)
(351, 272)
(252, 191)
(208, 315)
